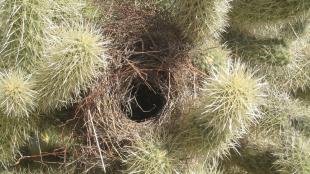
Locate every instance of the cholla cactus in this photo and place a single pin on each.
(150, 155)
(277, 59)
(235, 170)
(73, 61)
(301, 123)
(14, 133)
(49, 139)
(23, 23)
(232, 100)
(67, 9)
(197, 140)
(276, 52)
(255, 154)
(47, 170)
(198, 167)
(280, 111)
(7, 152)
(296, 72)
(294, 156)
(208, 105)
(210, 55)
(267, 17)
(229, 106)
(202, 18)
(17, 96)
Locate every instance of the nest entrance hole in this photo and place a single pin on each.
(146, 103)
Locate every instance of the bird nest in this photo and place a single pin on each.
(150, 75)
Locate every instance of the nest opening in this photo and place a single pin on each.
(146, 103)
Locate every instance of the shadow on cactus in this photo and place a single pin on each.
(255, 154)
(50, 140)
(259, 51)
(297, 76)
(284, 63)
(268, 18)
(50, 145)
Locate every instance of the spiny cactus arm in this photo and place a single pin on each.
(296, 74)
(233, 169)
(92, 10)
(67, 10)
(282, 112)
(294, 156)
(302, 123)
(233, 96)
(267, 17)
(39, 170)
(7, 152)
(49, 139)
(209, 55)
(201, 167)
(195, 140)
(284, 63)
(150, 155)
(201, 18)
(17, 94)
(230, 104)
(232, 100)
(72, 11)
(14, 133)
(73, 61)
(23, 23)
(275, 120)
(282, 116)
(255, 154)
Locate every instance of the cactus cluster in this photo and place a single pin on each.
(155, 87)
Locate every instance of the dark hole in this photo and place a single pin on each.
(146, 103)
